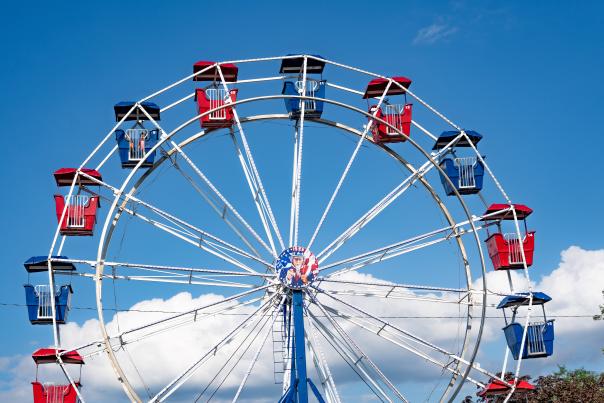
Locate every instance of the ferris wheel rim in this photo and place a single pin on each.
(338, 125)
(411, 141)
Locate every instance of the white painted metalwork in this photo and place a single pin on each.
(187, 373)
(514, 242)
(44, 301)
(307, 89)
(361, 355)
(392, 114)
(348, 356)
(76, 210)
(126, 201)
(55, 393)
(535, 343)
(465, 166)
(227, 206)
(258, 351)
(136, 143)
(297, 163)
(348, 165)
(329, 385)
(217, 97)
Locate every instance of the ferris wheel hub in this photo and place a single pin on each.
(297, 267)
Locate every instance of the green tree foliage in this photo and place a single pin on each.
(579, 386)
(563, 386)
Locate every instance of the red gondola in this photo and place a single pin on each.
(496, 391)
(215, 95)
(80, 214)
(47, 392)
(397, 116)
(64, 176)
(211, 98)
(505, 249)
(229, 71)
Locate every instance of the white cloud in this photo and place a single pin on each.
(433, 33)
(575, 287)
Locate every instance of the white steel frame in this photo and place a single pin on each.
(460, 364)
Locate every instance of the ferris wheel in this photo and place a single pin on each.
(332, 229)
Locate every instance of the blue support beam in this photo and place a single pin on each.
(299, 381)
(299, 347)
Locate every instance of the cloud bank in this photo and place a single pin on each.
(575, 286)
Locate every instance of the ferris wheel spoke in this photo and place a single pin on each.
(409, 296)
(203, 237)
(390, 286)
(222, 206)
(252, 175)
(254, 360)
(373, 212)
(177, 269)
(177, 382)
(197, 240)
(380, 206)
(226, 204)
(408, 245)
(177, 320)
(387, 328)
(329, 385)
(348, 165)
(353, 360)
(297, 163)
(236, 355)
(362, 356)
(173, 279)
(255, 193)
(449, 366)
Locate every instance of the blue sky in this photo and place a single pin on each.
(525, 74)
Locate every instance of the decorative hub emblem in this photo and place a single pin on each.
(297, 267)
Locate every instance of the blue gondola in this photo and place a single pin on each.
(312, 108)
(40, 263)
(314, 87)
(39, 308)
(539, 336)
(136, 142)
(466, 173)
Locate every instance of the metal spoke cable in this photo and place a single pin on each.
(386, 326)
(405, 246)
(252, 164)
(188, 372)
(315, 346)
(416, 175)
(183, 269)
(257, 354)
(258, 201)
(348, 165)
(373, 212)
(120, 340)
(247, 341)
(353, 363)
(227, 206)
(357, 349)
(174, 279)
(202, 234)
(383, 333)
(222, 212)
